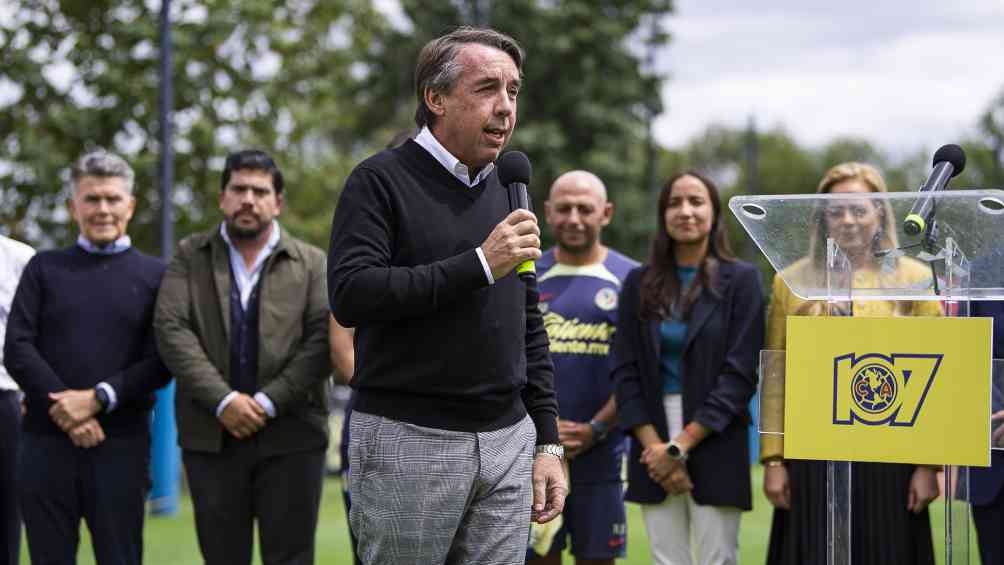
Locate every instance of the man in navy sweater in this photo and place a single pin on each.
(455, 408)
(80, 344)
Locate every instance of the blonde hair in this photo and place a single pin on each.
(852, 170)
(870, 176)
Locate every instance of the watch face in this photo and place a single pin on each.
(674, 451)
(102, 397)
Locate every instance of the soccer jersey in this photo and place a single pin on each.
(580, 314)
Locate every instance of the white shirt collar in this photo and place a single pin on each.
(273, 239)
(247, 278)
(445, 158)
(118, 246)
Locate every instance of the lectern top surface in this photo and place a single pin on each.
(958, 252)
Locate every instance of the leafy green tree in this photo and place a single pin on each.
(279, 76)
(586, 95)
(321, 85)
(985, 150)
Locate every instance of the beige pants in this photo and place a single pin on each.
(679, 529)
(682, 532)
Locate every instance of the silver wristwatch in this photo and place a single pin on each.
(554, 449)
(675, 451)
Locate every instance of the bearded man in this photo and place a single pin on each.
(242, 322)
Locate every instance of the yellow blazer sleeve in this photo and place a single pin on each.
(772, 392)
(927, 308)
(777, 314)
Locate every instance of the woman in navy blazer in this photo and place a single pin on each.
(689, 333)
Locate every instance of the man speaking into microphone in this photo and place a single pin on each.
(454, 443)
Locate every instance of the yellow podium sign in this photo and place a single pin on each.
(895, 390)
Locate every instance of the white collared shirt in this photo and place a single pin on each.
(427, 141)
(446, 159)
(14, 255)
(118, 246)
(246, 279)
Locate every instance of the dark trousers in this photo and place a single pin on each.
(232, 488)
(10, 519)
(989, 522)
(105, 485)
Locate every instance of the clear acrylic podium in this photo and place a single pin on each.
(815, 245)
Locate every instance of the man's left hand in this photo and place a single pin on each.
(575, 437)
(549, 488)
(71, 408)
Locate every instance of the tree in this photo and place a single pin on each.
(321, 85)
(586, 96)
(985, 150)
(279, 76)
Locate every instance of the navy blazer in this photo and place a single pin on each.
(985, 483)
(719, 373)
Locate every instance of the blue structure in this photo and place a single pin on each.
(164, 457)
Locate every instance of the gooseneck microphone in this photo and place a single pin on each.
(948, 162)
(514, 174)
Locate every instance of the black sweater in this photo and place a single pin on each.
(435, 345)
(78, 319)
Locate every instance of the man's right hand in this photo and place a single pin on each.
(514, 240)
(243, 416)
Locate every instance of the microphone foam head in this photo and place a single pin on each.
(513, 166)
(954, 155)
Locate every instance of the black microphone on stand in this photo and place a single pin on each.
(514, 174)
(949, 161)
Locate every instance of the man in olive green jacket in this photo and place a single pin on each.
(242, 323)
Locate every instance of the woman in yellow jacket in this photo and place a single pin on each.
(890, 522)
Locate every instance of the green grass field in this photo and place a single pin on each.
(171, 541)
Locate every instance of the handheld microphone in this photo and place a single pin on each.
(514, 174)
(948, 162)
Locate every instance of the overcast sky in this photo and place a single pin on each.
(904, 74)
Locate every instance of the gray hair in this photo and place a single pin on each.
(438, 68)
(101, 163)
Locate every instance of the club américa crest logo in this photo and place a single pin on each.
(876, 389)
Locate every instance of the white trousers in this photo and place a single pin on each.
(682, 532)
